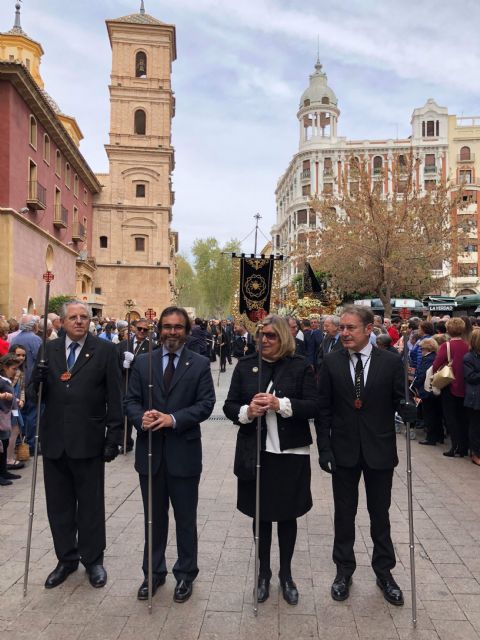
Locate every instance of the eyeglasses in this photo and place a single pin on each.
(144, 329)
(78, 318)
(269, 335)
(173, 327)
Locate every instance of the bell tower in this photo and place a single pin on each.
(135, 252)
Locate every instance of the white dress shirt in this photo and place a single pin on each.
(366, 353)
(68, 342)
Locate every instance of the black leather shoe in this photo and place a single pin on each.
(263, 589)
(157, 581)
(341, 587)
(97, 575)
(450, 453)
(10, 476)
(60, 574)
(427, 442)
(183, 590)
(289, 590)
(391, 591)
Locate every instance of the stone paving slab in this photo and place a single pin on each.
(447, 528)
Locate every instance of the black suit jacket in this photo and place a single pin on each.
(293, 380)
(326, 347)
(80, 413)
(369, 431)
(190, 399)
(123, 346)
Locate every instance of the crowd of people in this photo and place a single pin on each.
(101, 380)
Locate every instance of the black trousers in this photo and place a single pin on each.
(183, 494)
(432, 417)
(75, 495)
(474, 430)
(455, 419)
(3, 457)
(378, 487)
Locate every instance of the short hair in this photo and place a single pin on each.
(384, 339)
(69, 303)
(281, 328)
(180, 311)
(429, 344)
(475, 341)
(8, 360)
(441, 326)
(333, 319)
(364, 313)
(455, 327)
(13, 324)
(396, 319)
(427, 327)
(297, 322)
(28, 322)
(413, 323)
(306, 323)
(142, 320)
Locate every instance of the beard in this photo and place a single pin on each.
(173, 343)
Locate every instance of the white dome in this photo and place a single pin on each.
(318, 91)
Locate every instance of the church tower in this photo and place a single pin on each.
(135, 247)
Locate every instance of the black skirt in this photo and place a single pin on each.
(284, 488)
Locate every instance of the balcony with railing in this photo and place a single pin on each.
(37, 196)
(60, 217)
(305, 175)
(430, 168)
(328, 172)
(79, 232)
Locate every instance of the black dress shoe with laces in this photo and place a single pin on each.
(183, 590)
(263, 589)
(97, 575)
(391, 591)
(157, 581)
(60, 574)
(341, 587)
(289, 591)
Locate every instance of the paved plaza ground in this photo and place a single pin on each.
(447, 526)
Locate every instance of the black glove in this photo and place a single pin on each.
(41, 372)
(110, 452)
(327, 461)
(408, 412)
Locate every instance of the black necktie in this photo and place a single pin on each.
(359, 385)
(169, 371)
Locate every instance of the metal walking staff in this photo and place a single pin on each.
(129, 304)
(150, 314)
(48, 277)
(257, 476)
(411, 534)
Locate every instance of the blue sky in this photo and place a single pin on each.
(242, 66)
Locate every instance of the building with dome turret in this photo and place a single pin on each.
(323, 157)
(46, 185)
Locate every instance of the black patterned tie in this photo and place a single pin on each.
(359, 377)
(169, 371)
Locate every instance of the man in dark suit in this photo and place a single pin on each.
(80, 430)
(183, 397)
(243, 343)
(331, 341)
(361, 387)
(128, 350)
(294, 328)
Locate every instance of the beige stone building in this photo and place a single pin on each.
(133, 243)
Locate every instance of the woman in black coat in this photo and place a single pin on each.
(471, 371)
(287, 401)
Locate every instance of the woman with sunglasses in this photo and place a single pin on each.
(285, 404)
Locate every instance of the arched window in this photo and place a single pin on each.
(465, 153)
(68, 175)
(141, 65)
(46, 149)
(75, 185)
(140, 122)
(377, 164)
(58, 163)
(103, 242)
(32, 132)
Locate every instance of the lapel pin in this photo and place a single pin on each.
(87, 355)
(255, 369)
(187, 363)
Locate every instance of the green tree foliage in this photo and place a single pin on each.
(55, 302)
(207, 284)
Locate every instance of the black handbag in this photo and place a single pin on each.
(245, 456)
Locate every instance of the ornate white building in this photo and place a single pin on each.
(323, 158)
